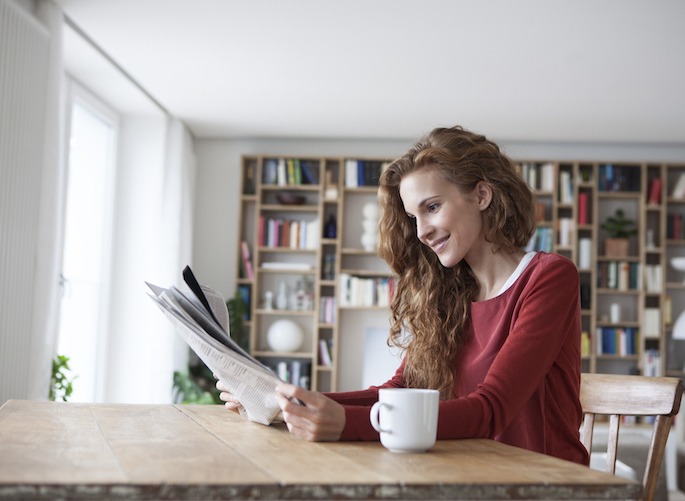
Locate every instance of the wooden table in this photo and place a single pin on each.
(52, 450)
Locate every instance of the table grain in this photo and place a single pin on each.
(57, 450)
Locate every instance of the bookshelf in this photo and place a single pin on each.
(300, 233)
(629, 302)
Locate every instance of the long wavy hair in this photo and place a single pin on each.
(431, 302)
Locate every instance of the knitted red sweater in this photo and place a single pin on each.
(518, 375)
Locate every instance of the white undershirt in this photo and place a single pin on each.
(517, 272)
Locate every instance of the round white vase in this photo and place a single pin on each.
(284, 335)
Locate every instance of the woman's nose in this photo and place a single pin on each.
(423, 229)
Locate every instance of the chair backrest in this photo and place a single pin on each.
(620, 395)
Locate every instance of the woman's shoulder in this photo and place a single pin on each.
(548, 262)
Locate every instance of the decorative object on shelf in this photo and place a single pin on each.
(615, 313)
(301, 299)
(282, 297)
(331, 187)
(369, 238)
(268, 301)
(650, 240)
(619, 229)
(290, 199)
(678, 263)
(285, 335)
(330, 230)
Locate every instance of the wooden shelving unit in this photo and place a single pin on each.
(574, 199)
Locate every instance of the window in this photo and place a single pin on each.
(92, 132)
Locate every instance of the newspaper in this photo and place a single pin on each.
(201, 318)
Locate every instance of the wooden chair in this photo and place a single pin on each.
(620, 395)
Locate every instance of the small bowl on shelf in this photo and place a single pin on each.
(290, 199)
(678, 263)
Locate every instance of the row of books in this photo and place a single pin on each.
(565, 187)
(616, 341)
(567, 228)
(290, 172)
(366, 291)
(363, 172)
(328, 269)
(325, 350)
(675, 226)
(583, 207)
(542, 240)
(539, 176)
(655, 188)
(327, 309)
(245, 293)
(618, 178)
(620, 275)
(653, 277)
(651, 363)
(295, 372)
(585, 344)
(293, 234)
(245, 268)
(619, 342)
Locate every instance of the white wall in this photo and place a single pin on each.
(217, 202)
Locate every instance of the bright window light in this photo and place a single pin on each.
(88, 230)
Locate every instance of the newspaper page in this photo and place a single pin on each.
(248, 379)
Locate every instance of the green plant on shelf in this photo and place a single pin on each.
(619, 226)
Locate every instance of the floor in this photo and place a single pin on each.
(676, 496)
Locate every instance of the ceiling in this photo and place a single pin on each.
(531, 70)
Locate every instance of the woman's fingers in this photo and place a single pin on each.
(319, 419)
(226, 396)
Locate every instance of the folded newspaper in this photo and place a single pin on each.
(201, 318)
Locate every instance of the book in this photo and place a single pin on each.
(583, 208)
(679, 188)
(201, 318)
(654, 196)
(246, 260)
(652, 323)
(278, 265)
(584, 253)
(324, 354)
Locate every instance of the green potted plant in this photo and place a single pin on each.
(619, 229)
(61, 381)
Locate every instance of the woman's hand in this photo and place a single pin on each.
(231, 402)
(320, 419)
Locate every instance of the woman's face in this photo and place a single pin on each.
(447, 220)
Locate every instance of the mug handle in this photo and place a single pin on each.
(375, 410)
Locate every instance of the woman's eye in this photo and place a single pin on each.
(431, 208)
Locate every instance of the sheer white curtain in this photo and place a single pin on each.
(152, 242)
(178, 204)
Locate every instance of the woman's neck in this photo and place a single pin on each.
(493, 270)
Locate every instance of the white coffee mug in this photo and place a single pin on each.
(406, 418)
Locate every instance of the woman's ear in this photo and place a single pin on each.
(483, 195)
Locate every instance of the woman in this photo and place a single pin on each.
(495, 329)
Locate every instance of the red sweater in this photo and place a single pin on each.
(517, 377)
